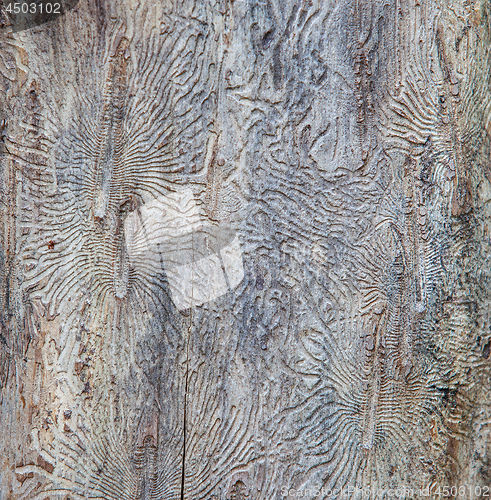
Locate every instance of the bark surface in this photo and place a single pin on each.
(245, 250)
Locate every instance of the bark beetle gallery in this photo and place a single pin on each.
(246, 251)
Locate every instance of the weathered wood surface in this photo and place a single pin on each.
(347, 145)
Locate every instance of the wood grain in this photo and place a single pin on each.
(346, 146)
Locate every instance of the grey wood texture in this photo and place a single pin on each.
(346, 144)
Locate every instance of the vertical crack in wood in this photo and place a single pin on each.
(183, 473)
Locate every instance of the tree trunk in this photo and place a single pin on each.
(246, 251)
